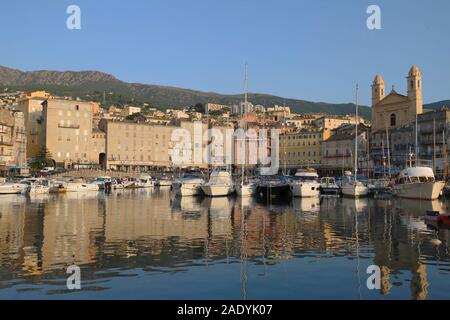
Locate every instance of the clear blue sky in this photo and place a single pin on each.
(314, 50)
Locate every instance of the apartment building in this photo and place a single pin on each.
(303, 147)
(130, 110)
(67, 131)
(135, 146)
(338, 151)
(434, 138)
(332, 122)
(12, 142)
(31, 107)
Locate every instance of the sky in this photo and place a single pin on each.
(312, 50)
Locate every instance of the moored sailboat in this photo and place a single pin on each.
(351, 187)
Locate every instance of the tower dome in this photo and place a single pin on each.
(378, 80)
(414, 72)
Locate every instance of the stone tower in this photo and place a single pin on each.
(377, 90)
(414, 86)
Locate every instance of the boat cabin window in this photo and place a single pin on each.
(414, 179)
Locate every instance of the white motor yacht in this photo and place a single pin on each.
(188, 186)
(145, 181)
(305, 184)
(328, 186)
(418, 183)
(220, 184)
(79, 186)
(13, 188)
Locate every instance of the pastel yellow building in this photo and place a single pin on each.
(331, 122)
(302, 148)
(132, 145)
(31, 107)
(67, 130)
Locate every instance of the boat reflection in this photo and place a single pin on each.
(152, 232)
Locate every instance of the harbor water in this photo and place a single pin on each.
(148, 244)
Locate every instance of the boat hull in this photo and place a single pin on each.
(281, 192)
(35, 190)
(352, 191)
(217, 190)
(81, 187)
(419, 191)
(305, 190)
(164, 183)
(187, 190)
(246, 190)
(15, 188)
(330, 190)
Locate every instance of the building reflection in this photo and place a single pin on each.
(153, 229)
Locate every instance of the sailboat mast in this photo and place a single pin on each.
(444, 154)
(417, 139)
(356, 132)
(245, 123)
(388, 150)
(284, 137)
(434, 144)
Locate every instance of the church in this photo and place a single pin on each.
(395, 110)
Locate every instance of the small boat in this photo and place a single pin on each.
(130, 183)
(117, 184)
(418, 183)
(379, 188)
(328, 186)
(101, 181)
(305, 184)
(37, 185)
(274, 187)
(145, 181)
(246, 188)
(58, 187)
(13, 188)
(354, 188)
(189, 185)
(220, 184)
(81, 187)
(164, 181)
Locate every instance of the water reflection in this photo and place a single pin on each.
(306, 249)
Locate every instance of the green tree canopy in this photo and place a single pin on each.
(42, 159)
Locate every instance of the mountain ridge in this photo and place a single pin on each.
(90, 84)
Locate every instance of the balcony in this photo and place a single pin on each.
(6, 143)
(69, 126)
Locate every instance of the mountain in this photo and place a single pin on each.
(90, 85)
(437, 105)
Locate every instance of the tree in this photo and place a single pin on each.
(137, 117)
(42, 159)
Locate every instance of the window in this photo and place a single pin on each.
(393, 120)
